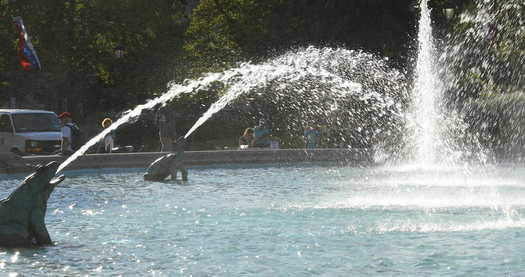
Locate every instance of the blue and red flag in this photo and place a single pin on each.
(26, 51)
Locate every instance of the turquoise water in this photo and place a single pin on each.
(302, 220)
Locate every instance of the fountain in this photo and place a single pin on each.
(440, 134)
(483, 69)
(319, 65)
(365, 85)
(312, 219)
(427, 95)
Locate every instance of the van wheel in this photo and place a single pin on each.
(17, 152)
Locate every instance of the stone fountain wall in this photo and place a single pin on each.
(10, 163)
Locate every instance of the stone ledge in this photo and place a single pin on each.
(10, 163)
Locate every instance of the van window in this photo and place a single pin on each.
(5, 124)
(36, 122)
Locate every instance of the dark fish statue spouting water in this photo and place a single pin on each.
(168, 164)
(22, 213)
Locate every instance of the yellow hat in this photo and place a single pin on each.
(106, 122)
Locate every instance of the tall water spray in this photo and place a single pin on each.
(427, 95)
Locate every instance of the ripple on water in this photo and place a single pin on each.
(288, 221)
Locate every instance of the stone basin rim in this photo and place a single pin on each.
(11, 163)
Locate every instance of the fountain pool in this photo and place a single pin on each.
(289, 220)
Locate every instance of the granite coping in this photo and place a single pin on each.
(10, 163)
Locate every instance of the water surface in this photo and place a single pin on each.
(301, 220)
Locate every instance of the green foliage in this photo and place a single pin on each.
(76, 43)
(496, 118)
(487, 50)
(223, 32)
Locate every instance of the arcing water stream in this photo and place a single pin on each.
(340, 76)
(318, 64)
(441, 216)
(320, 75)
(281, 70)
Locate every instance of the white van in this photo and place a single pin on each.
(29, 131)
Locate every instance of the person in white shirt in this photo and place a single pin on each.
(66, 143)
(107, 144)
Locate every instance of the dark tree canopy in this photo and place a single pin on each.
(165, 40)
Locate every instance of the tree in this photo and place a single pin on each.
(486, 53)
(223, 32)
(76, 42)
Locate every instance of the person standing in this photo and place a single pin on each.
(107, 144)
(246, 140)
(261, 135)
(167, 128)
(311, 137)
(68, 130)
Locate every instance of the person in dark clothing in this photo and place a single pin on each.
(311, 137)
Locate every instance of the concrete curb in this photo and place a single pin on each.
(10, 163)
